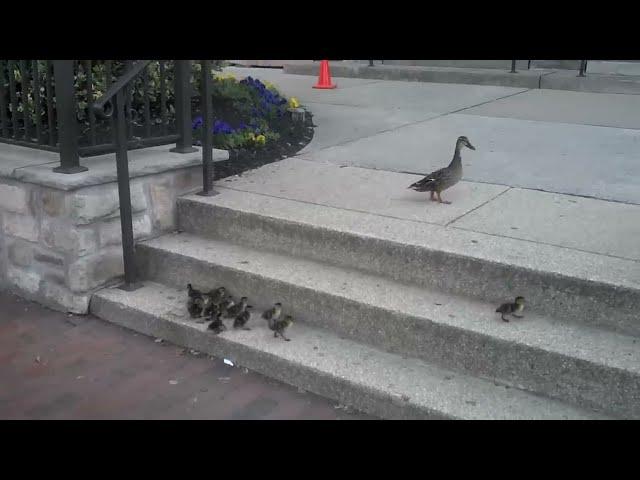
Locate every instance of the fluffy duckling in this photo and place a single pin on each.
(210, 309)
(242, 318)
(192, 292)
(440, 180)
(279, 326)
(511, 308)
(273, 313)
(195, 306)
(237, 309)
(226, 304)
(217, 326)
(217, 295)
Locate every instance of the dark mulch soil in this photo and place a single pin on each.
(294, 136)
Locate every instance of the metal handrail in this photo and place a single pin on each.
(99, 106)
(106, 107)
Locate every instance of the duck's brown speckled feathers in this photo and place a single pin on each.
(444, 178)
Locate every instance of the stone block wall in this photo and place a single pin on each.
(58, 246)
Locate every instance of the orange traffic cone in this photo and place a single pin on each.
(324, 80)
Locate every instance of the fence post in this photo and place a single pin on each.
(207, 135)
(182, 91)
(67, 119)
(583, 67)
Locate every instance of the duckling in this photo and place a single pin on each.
(192, 292)
(440, 180)
(226, 304)
(242, 318)
(273, 313)
(279, 326)
(210, 309)
(195, 306)
(217, 325)
(237, 309)
(511, 308)
(217, 295)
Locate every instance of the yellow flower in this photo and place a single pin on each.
(269, 85)
(293, 102)
(261, 139)
(224, 76)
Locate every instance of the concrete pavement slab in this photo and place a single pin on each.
(362, 190)
(586, 224)
(602, 109)
(584, 160)
(337, 124)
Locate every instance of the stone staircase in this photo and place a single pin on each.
(395, 317)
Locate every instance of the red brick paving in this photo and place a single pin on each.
(89, 369)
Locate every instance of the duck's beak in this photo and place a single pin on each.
(470, 146)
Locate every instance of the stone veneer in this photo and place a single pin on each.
(60, 237)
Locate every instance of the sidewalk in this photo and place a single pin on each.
(59, 366)
(556, 141)
(539, 153)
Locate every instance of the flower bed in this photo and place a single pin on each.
(251, 121)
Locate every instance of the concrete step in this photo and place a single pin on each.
(584, 366)
(380, 383)
(577, 286)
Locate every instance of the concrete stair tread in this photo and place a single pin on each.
(548, 259)
(593, 345)
(412, 385)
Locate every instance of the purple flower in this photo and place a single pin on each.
(197, 123)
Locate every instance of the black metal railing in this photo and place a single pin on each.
(39, 99)
(114, 106)
(581, 72)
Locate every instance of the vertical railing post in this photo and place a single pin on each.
(583, 67)
(182, 91)
(513, 66)
(207, 136)
(124, 191)
(66, 118)
(371, 63)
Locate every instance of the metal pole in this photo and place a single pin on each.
(124, 193)
(583, 68)
(513, 66)
(182, 91)
(207, 140)
(371, 63)
(66, 118)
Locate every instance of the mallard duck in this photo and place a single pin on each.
(242, 319)
(438, 181)
(279, 326)
(511, 308)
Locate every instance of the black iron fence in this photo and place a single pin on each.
(41, 99)
(84, 107)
